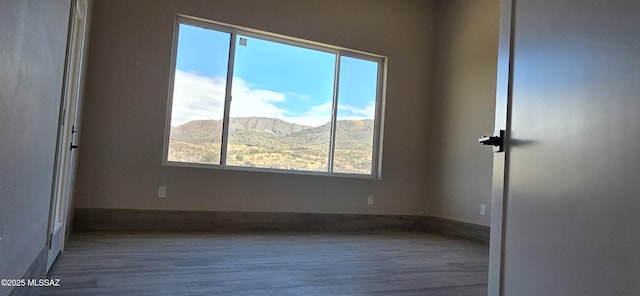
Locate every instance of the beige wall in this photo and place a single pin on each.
(466, 47)
(451, 45)
(126, 101)
(32, 51)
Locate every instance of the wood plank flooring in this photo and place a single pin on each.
(269, 264)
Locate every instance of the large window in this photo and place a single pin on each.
(247, 99)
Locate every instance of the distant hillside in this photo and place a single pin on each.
(199, 131)
(274, 143)
(348, 133)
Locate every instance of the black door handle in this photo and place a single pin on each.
(497, 141)
(490, 140)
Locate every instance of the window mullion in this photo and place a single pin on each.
(227, 100)
(334, 112)
(377, 126)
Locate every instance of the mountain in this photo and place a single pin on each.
(254, 130)
(348, 133)
(274, 143)
(272, 126)
(200, 131)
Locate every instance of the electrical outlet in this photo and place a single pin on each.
(162, 191)
(370, 199)
(483, 209)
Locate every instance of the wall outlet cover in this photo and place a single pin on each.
(162, 192)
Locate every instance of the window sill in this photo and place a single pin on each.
(268, 170)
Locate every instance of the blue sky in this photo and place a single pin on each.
(270, 80)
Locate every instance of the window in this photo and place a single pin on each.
(247, 99)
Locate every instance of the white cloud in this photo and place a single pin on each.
(368, 112)
(196, 98)
(301, 97)
(316, 116)
(200, 98)
(248, 102)
(322, 108)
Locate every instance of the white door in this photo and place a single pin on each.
(67, 132)
(567, 189)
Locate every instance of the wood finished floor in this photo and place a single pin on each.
(270, 264)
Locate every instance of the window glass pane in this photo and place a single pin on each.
(358, 84)
(280, 114)
(198, 95)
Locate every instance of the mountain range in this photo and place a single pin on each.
(274, 143)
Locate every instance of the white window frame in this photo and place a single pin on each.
(234, 31)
